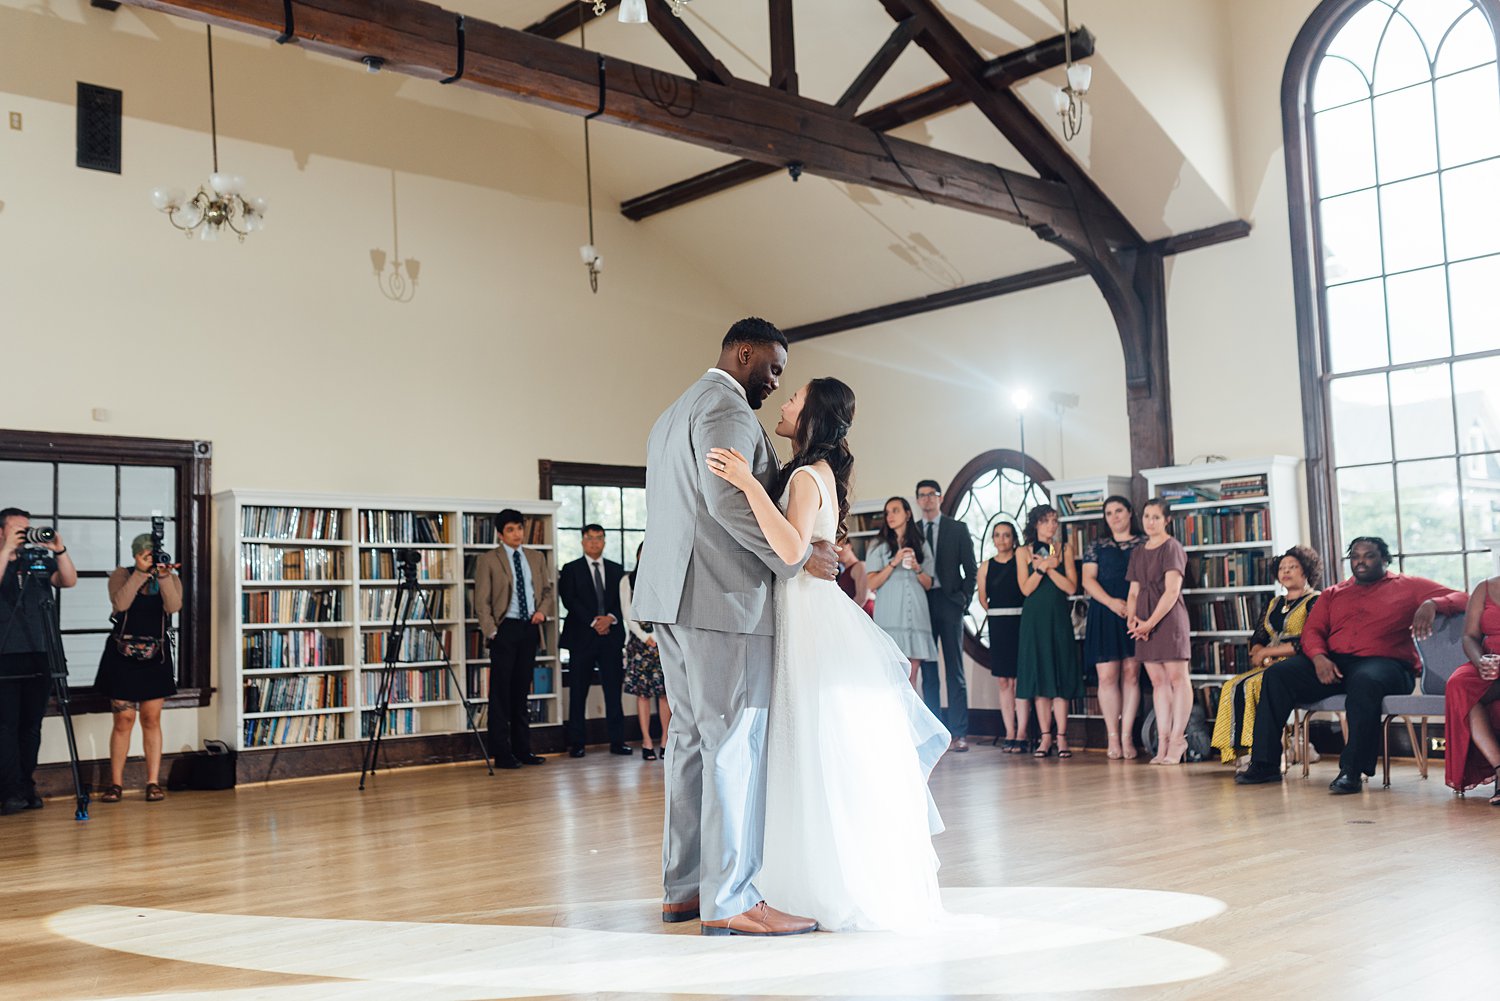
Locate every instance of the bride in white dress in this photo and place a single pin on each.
(849, 819)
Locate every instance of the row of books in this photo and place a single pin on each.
(478, 685)
(406, 686)
(1194, 493)
(292, 606)
(1233, 611)
(300, 691)
(1240, 487)
(273, 731)
(1082, 534)
(398, 723)
(1084, 502)
(292, 648)
(420, 645)
(402, 527)
(1241, 569)
(1220, 658)
(479, 530)
(380, 564)
(291, 523)
(263, 562)
(379, 603)
(1210, 528)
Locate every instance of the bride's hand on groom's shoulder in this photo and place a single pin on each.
(729, 464)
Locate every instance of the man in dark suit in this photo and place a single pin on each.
(948, 599)
(594, 636)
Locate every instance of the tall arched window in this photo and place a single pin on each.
(1393, 143)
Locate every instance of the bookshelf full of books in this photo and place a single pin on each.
(1233, 518)
(313, 590)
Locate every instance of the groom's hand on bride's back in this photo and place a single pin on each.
(824, 561)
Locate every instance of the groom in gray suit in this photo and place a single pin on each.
(705, 578)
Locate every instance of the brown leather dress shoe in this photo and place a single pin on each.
(958, 744)
(686, 910)
(761, 919)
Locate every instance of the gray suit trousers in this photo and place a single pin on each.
(719, 686)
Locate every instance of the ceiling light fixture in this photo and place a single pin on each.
(1069, 100)
(223, 203)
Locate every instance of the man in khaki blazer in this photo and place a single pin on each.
(511, 618)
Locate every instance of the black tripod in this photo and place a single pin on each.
(408, 598)
(57, 669)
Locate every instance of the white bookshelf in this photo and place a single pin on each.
(1231, 545)
(866, 518)
(323, 674)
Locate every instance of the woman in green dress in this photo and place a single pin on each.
(1300, 571)
(1048, 670)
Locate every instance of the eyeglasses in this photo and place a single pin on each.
(927, 494)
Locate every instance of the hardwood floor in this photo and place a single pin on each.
(1070, 878)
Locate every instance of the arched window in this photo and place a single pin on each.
(1392, 112)
(999, 485)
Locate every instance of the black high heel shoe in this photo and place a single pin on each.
(1044, 752)
(648, 754)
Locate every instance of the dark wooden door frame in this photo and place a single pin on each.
(551, 472)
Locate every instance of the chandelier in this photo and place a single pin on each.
(222, 203)
(634, 11)
(1069, 100)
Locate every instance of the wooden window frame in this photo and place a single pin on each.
(193, 461)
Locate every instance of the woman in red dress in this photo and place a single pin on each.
(1473, 693)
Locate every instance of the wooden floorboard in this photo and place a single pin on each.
(1388, 894)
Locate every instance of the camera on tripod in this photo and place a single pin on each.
(407, 562)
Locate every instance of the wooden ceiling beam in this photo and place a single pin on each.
(1003, 71)
(747, 120)
(569, 17)
(879, 65)
(689, 48)
(1177, 244)
(783, 47)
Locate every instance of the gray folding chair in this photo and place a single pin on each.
(1441, 653)
(1302, 716)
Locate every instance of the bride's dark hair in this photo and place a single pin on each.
(822, 436)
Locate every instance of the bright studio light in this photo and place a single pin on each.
(1021, 399)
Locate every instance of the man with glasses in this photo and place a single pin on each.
(947, 600)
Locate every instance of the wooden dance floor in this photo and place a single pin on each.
(1081, 878)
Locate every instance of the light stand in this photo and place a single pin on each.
(407, 600)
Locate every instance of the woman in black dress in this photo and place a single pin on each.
(143, 597)
(1001, 598)
(1107, 645)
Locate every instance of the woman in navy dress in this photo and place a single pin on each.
(1107, 646)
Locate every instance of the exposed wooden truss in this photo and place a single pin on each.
(1000, 72)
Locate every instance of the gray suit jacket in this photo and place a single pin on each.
(706, 564)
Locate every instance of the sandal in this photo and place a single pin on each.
(1063, 750)
(1495, 799)
(1042, 752)
(1114, 742)
(154, 793)
(648, 754)
(111, 794)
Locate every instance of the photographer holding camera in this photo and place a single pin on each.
(136, 670)
(32, 560)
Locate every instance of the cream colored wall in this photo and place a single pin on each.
(281, 350)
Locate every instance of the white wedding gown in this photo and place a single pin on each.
(849, 819)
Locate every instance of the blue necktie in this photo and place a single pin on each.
(520, 584)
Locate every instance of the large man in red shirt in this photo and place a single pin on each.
(1357, 643)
